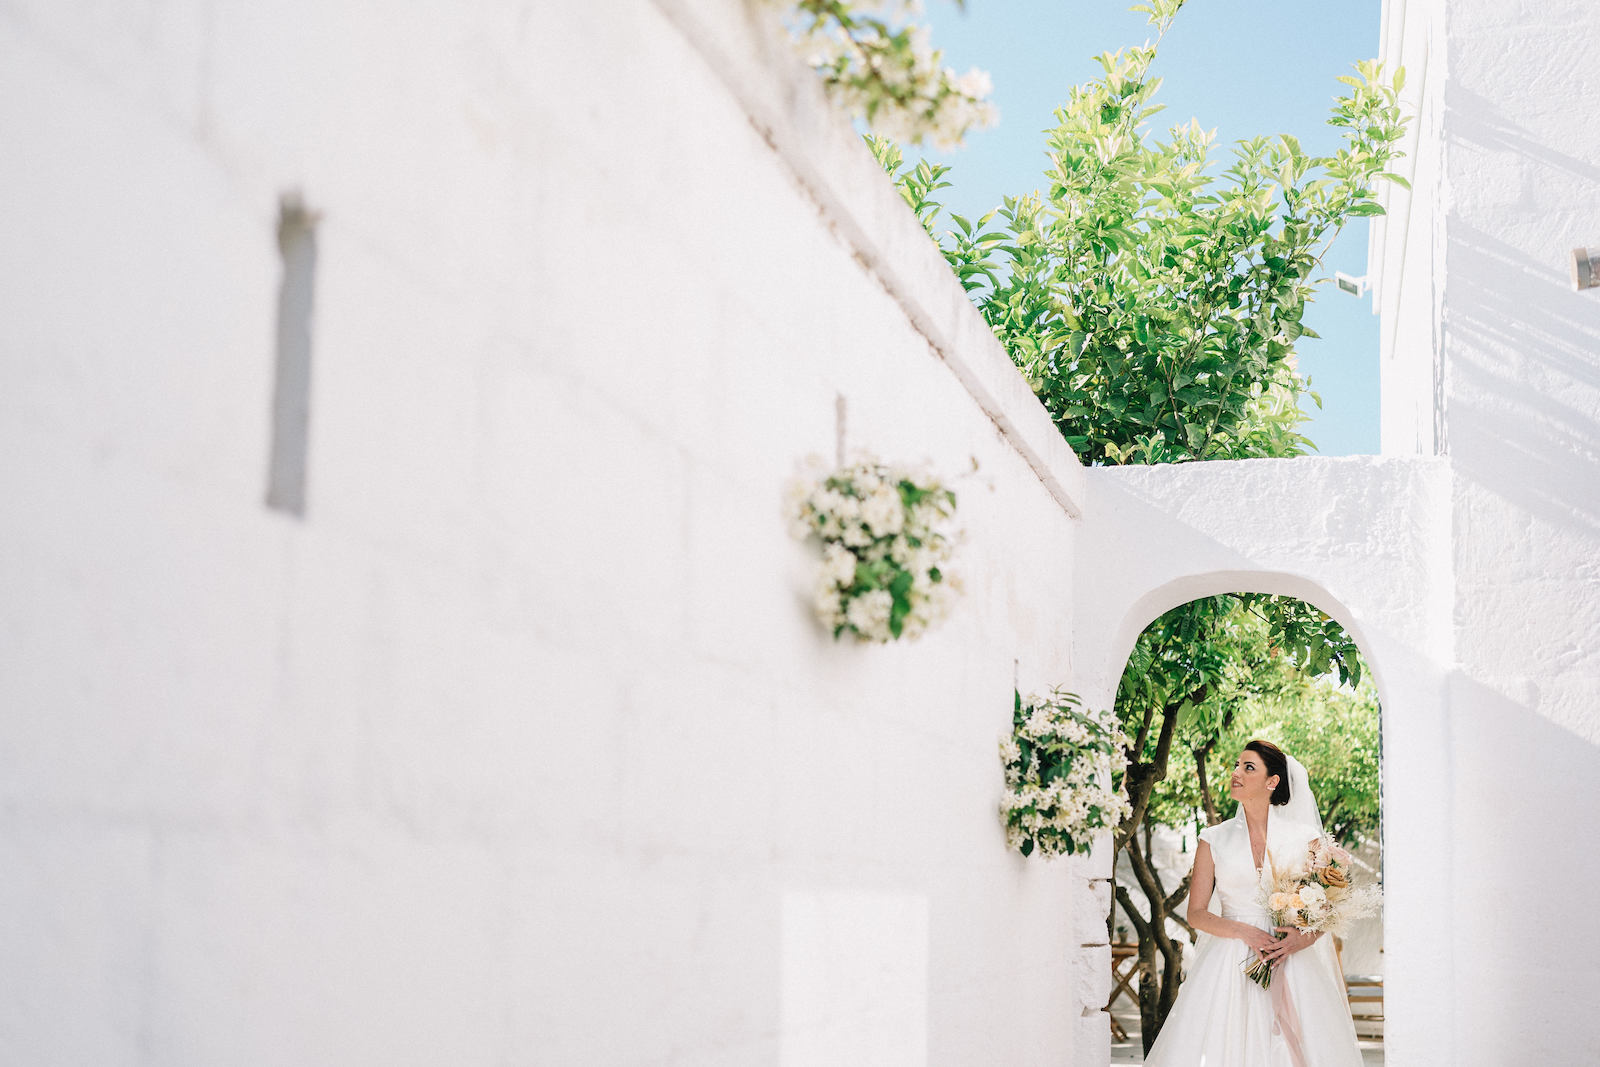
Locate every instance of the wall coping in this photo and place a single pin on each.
(785, 102)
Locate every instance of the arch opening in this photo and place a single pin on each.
(1302, 676)
(1156, 602)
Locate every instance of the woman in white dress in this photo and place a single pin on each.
(1221, 1018)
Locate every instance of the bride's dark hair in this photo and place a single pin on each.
(1277, 763)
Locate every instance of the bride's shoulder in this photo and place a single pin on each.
(1216, 832)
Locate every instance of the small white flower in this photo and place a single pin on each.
(975, 83)
(838, 565)
(855, 535)
(883, 512)
(869, 612)
(825, 600)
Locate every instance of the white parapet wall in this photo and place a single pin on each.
(520, 745)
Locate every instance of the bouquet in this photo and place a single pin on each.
(884, 549)
(1315, 896)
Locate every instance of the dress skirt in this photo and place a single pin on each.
(1223, 1019)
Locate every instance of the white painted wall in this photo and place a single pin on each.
(522, 747)
(1405, 245)
(1522, 353)
(1516, 152)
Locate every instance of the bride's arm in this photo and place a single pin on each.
(1201, 917)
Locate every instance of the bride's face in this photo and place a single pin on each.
(1250, 778)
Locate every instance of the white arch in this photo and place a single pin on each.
(1157, 602)
(1367, 541)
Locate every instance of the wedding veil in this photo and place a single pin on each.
(1302, 806)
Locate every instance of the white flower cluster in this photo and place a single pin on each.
(878, 64)
(882, 575)
(1063, 764)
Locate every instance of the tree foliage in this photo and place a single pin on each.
(1330, 728)
(1153, 304)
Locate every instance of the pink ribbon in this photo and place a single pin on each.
(1288, 1018)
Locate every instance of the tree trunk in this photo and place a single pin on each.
(1209, 802)
(1160, 957)
(1150, 1014)
(1141, 777)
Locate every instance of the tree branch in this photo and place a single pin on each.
(1140, 927)
(1144, 733)
(1202, 754)
(1144, 872)
(1176, 896)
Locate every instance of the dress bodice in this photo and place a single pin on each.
(1239, 887)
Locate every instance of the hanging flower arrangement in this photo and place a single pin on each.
(1063, 765)
(884, 551)
(877, 62)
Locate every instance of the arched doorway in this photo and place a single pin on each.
(1203, 677)
(1365, 540)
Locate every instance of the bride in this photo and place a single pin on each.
(1221, 1018)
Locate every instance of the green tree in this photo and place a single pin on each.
(1152, 304)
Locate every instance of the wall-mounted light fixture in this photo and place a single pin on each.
(1350, 284)
(1585, 268)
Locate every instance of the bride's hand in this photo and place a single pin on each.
(1258, 939)
(1294, 940)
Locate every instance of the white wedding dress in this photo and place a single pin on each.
(1223, 1019)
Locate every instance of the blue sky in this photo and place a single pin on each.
(1243, 67)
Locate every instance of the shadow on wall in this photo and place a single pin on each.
(1525, 384)
(1521, 778)
(1477, 120)
(1526, 388)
